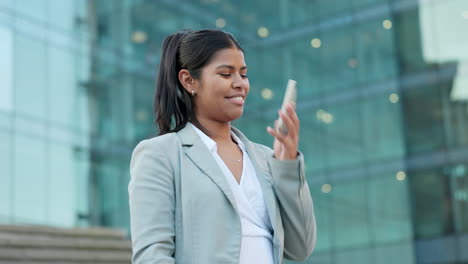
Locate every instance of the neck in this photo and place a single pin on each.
(218, 131)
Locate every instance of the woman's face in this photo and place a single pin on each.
(223, 87)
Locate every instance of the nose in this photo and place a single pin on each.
(240, 82)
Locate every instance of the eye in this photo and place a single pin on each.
(244, 75)
(225, 74)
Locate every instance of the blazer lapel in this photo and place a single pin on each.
(198, 152)
(261, 169)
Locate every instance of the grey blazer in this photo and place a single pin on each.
(182, 209)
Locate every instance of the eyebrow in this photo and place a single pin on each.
(230, 67)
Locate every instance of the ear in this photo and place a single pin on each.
(187, 81)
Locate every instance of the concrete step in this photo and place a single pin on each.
(64, 255)
(58, 262)
(45, 241)
(41, 244)
(55, 231)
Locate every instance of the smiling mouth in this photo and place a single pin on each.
(239, 100)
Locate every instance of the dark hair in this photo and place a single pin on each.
(190, 50)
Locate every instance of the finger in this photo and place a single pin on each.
(278, 135)
(293, 105)
(294, 117)
(282, 143)
(292, 131)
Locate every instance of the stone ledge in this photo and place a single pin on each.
(63, 255)
(55, 231)
(43, 241)
(60, 262)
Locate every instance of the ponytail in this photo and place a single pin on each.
(172, 103)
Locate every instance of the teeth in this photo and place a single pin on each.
(238, 98)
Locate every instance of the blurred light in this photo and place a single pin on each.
(401, 176)
(263, 32)
(327, 118)
(326, 188)
(465, 14)
(352, 63)
(267, 94)
(220, 22)
(387, 24)
(320, 113)
(141, 116)
(139, 37)
(324, 116)
(316, 43)
(394, 98)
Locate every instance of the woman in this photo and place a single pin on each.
(201, 192)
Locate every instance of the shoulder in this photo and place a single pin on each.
(159, 142)
(159, 147)
(264, 149)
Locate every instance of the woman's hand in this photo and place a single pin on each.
(285, 145)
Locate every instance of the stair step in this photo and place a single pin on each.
(52, 245)
(26, 241)
(63, 255)
(61, 262)
(103, 233)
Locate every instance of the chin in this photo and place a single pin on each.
(234, 116)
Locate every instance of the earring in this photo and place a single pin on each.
(193, 93)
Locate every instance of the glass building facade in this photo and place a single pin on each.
(383, 91)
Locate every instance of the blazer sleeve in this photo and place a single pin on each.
(151, 197)
(296, 207)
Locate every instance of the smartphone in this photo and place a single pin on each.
(289, 97)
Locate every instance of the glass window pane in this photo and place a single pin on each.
(6, 69)
(342, 124)
(108, 184)
(399, 252)
(62, 186)
(6, 176)
(375, 51)
(31, 181)
(5, 121)
(434, 218)
(30, 75)
(61, 14)
(82, 168)
(459, 182)
(36, 10)
(312, 143)
(390, 216)
(6, 3)
(355, 255)
(337, 65)
(332, 7)
(323, 214)
(28, 126)
(350, 214)
(409, 42)
(381, 127)
(423, 121)
(61, 86)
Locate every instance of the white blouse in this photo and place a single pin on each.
(256, 245)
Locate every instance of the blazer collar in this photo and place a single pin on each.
(199, 153)
(260, 162)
